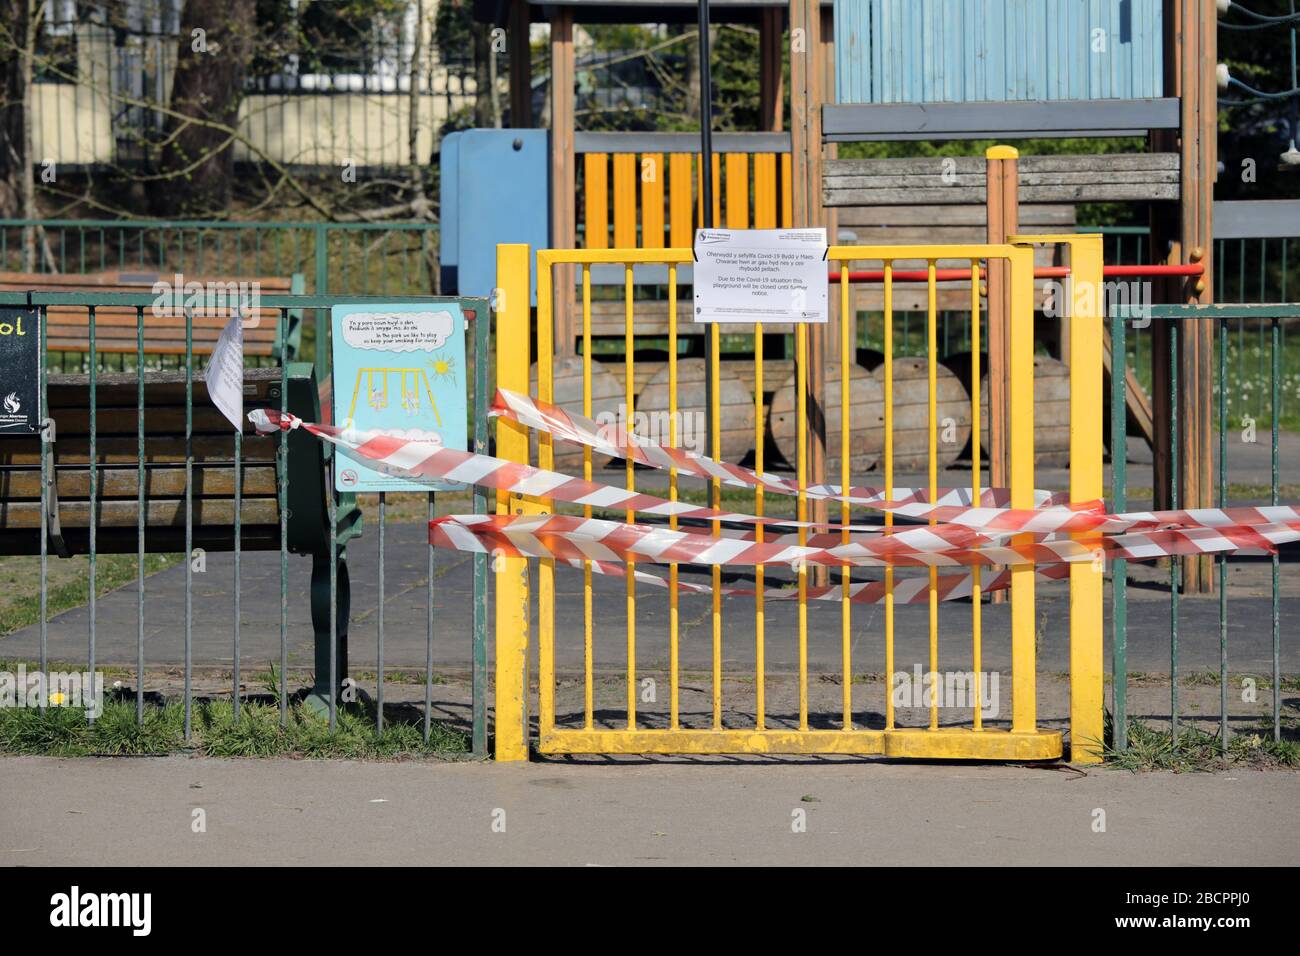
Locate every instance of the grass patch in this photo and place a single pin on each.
(68, 583)
(1197, 751)
(65, 732)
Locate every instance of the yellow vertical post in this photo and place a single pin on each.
(1020, 397)
(512, 573)
(1085, 299)
(546, 461)
(1086, 329)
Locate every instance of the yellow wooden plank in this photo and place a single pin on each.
(596, 200)
(737, 191)
(624, 200)
(680, 231)
(766, 194)
(652, 201)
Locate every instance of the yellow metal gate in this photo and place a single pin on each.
(592, 730)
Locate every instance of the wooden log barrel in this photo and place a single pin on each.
(606, 401)
(737, 403)
(866, 420)
(912, 413)
(1051, 412)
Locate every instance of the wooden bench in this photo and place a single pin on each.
(117, 481)
(68, 326)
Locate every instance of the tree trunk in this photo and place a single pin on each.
(215, 46)
(17, 185)
(482, 76)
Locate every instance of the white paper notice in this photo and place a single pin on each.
(225, 375)
(760, 275)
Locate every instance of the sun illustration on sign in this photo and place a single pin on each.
(444, 367)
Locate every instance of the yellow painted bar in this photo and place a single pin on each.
(1020, 397)
(760, 614)
(946, 744)
(846, 609)
(680, 233)
(715, 432)
(801, 441)
(596, 214)
(629, 399)
(889, 488)
(588, 619)
(546, 461)
(737, 191)
(1085, 298)
(932, 367)
(1087, 325)
(512, 320)
(976, 610)
(624, 200)
(652, 201)
(674, 704)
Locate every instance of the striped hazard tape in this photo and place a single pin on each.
(571, 537)
(965, 532)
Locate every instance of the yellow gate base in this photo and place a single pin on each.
(954, 744)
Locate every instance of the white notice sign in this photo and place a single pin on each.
(225, 374)
(760, 275)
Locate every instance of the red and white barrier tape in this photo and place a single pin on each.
(968, 535)
(573, 538)
(424, 461)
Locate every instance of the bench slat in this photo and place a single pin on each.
(122, 451)
(160, 513)
(74, 484)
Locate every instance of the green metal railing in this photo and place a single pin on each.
(1245, 271)
(353, 258)
(1272, 318)
(342, 523)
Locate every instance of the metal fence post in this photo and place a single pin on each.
(1087, 691)
(321, 358)
(511, 304)
(1020, 441)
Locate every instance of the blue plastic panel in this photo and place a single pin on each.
(963, 51)
(503, 195)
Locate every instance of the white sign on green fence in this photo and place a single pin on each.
(399, 369)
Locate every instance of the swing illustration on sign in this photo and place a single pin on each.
(398, 371)
(377, 396)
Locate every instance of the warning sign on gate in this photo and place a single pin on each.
(760, 275)
(20, 372)
(399, 369)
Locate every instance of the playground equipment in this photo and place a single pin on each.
(886, 70)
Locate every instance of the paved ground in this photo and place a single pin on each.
(1250, 632)
(128, 812)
